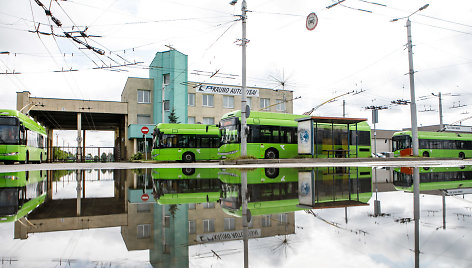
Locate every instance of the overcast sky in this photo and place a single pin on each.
(350, 50)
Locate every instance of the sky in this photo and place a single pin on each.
(354, 48)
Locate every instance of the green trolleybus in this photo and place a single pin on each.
(274, 135)
(434, 178)
(433, 144)
(20, 193)
(185, 185)
(185, 142)
(271, 135)
(21, 138)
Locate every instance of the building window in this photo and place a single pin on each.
(192, 206)
(283, 219)
(208, 225)
(166, 105)
(208, 120)
(208, 205)
(166, 79)
(144, 119)
(191, 120)
(143, 231)
(229, 224)
(280, 106)
(144, 96)
(265, 221)
(228, 101)
(144, 207)
(264, 103)
(191, 99)
(167, 221)
(191, 227)
(207, 100)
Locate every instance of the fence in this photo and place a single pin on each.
(91, 154)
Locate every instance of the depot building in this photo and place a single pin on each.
(167, 90)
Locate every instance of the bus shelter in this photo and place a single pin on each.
(327, 137)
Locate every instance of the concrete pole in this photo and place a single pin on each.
(416, 212)
(414, 123)
(79, 137)
(244, 215)
(78, 177)
(243, 83)
(441, 125)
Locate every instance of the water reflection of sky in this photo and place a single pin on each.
(365, 241)
(331, 237)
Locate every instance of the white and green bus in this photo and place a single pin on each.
(185, 142)
(21, 138)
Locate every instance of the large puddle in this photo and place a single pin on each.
(186, 217)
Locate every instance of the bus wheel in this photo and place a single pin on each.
(461, 155)
(271, 172)
(271, 154)
(425, 154)
(188, 171)
(188, 157)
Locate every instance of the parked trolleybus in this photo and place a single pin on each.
(21, 138)
(434, 178)
(433, 144)
(274, 135)
(20, 193)
(185, 185)
(185, 142)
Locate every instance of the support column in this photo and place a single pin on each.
(79, 137)
(50, 152)
(78, 177)
(83, 146)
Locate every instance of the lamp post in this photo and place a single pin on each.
(243, 132)
(413, 112)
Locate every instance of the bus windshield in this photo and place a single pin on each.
(401, 142)
(229, 130)
(9, 131)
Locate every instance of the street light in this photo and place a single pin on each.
(244, 115)
(244, 107)
(414, 124)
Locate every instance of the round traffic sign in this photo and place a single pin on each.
(145, 130)
(311, 21)
(145, 197)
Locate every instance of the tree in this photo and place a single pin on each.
(172, 117)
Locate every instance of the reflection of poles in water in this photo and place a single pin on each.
(244, 215)
(416, 212)
(377, 209)
(444, 208)
(78, 177)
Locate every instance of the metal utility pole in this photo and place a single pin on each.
(440, 110)
(243, 82)
(413, 112)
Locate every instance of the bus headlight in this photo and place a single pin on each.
(10, 154)
(10, 177)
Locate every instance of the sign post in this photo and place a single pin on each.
(145, 130)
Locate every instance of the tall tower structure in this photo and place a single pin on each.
(169, 70)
